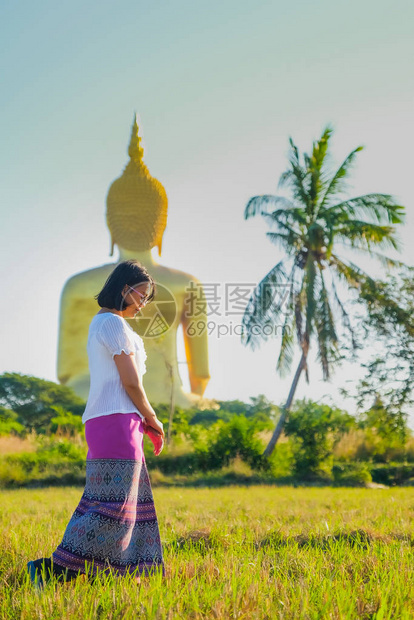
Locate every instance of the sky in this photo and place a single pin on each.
(218, 88)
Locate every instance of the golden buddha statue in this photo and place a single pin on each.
(136, 216)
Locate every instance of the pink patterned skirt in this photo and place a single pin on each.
(115, 526)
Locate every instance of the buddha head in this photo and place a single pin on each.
(136, 204)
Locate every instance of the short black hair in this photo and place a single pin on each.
(129, 272)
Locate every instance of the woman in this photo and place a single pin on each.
(115, 526)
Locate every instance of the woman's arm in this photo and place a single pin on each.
(131, 381)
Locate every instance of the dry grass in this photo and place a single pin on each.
(349, 444)
(10, 444)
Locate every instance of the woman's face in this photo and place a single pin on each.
(135, 298)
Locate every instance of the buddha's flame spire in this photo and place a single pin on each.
(135, 150)
(136, 203)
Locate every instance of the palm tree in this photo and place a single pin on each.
(309, 228)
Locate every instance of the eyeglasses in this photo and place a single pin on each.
(144, 301)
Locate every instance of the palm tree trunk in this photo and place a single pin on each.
(283, 414)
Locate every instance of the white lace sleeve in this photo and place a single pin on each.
(115, 337)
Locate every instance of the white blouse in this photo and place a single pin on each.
(110, 334)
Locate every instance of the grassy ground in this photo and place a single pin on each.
(238, 552)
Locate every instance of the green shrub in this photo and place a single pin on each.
(12, 473)
(66, 422)
(9, 423)
(282, 460)
(228, 440)
(12, 428)
(392, 473)
(386, 432)
(351, 474)
(55, 448)
(174, 464)
(48, 466)
(34, 400)
(315, 429)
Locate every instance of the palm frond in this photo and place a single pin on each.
(296, 234)
(346, 321)
(382, 207)
(350, 273)
(315, 164)
(295, 177)
(258, 204)
(262, 306)
(337, 185)
(296, 215)
(287, 242)
(286, 353)
(385, 261)
(362, 234)
(326, 332)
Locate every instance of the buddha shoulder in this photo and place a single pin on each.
(87, 283)
(180, 279)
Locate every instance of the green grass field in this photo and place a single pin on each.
(235, 552)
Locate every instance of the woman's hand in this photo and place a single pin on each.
(156, 424)
(155, 431)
